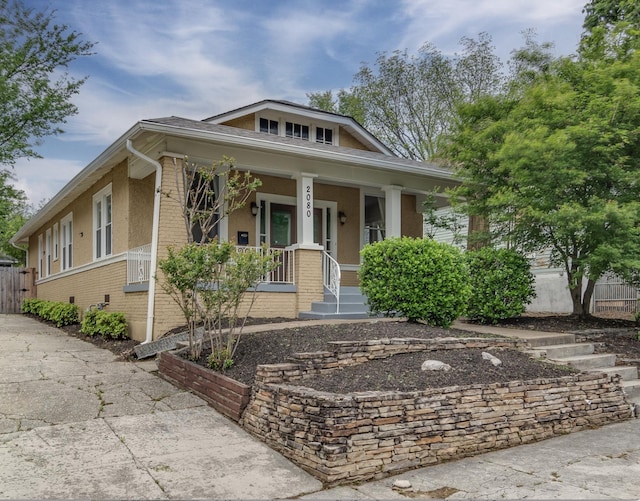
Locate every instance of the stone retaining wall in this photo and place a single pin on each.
(361, 436)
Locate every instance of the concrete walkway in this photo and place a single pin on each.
(77, 423)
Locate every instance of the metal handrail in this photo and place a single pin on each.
(331, 277)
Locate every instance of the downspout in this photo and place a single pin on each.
(154, 239)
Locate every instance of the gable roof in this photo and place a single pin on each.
(346, 122)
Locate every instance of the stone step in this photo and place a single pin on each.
(627, 372)
(565, 350)
(587, 362)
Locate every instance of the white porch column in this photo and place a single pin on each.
(393, 210)
(304, 188)
(223, 224)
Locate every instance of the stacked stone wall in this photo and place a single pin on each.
(362, 436)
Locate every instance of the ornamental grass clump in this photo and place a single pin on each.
(417, 278)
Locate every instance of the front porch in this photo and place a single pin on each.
(329, 298)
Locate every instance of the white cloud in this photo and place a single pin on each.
(42, 178)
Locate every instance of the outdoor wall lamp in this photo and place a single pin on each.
(254, 209)
(342, 217)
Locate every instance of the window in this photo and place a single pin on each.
(102, 229)
(66, 242)
(324, 135)
(48, 251)
(269, 126)
(56, 242)
(297, 130)
(374, 224)
(208, 211)
(40, 257)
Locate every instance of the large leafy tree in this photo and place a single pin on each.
(35, 88)
(555, 164)
(408, 101)
(14, 213)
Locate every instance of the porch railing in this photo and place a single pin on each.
(284, 272)
(139, 264)
(331, 277)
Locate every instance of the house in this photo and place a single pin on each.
(328, 188)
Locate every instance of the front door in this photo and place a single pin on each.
(283, 225)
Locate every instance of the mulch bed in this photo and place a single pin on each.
(611, 335)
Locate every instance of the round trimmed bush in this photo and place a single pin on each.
(502, 284)
(417, 278)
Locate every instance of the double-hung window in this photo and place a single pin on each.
(56, 242)
(48, 252)
(102, 227)
(66, 242)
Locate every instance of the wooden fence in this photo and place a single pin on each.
(15, 285)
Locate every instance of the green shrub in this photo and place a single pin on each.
(502, 284)
(417, 278)
(59, 313)
(105, 323)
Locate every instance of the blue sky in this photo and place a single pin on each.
(198, 58)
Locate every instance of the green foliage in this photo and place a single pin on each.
(502, 284)
(417, 278)
(105, 323)
(59, 313)
(14, 213)
(555, 166)
(36, 89)
(210, 283)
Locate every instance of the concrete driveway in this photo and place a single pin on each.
(77, 423)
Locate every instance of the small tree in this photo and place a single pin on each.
(417, 278)
(209, 279)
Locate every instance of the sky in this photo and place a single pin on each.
(198, 58)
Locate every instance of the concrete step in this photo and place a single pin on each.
(632, 388)
(330, 307)
(541, 339)
(627, 372)
(315, 315)
(587, 362)
(566, 350)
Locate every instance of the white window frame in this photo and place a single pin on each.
(40, 256)
(48, 252)
(66, 242)
(56, 242)
(324, 133)
(103, 225)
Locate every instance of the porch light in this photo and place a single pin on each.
(342, 217)
(254, 209)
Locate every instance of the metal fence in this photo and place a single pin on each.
(611, 293)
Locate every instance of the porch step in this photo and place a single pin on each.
(352, 306)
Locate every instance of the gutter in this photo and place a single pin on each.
(154, 239)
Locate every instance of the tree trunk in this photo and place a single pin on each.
(581, 301)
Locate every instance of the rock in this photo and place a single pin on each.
(494, 360)
(402, 484)
(435, 365)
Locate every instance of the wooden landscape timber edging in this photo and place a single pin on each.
(370, 435)
(226, 395)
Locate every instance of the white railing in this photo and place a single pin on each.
(331, 277)
(284, 273)
(139, 264)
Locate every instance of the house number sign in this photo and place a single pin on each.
(308, 199)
